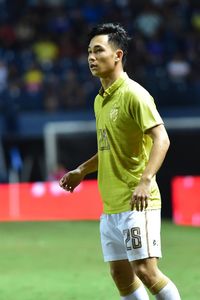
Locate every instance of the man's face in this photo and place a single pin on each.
(101, 56)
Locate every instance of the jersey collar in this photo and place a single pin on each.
(116, 84)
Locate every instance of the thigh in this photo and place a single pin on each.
(141, 231)
(112, 241)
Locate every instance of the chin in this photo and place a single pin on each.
(96, 74)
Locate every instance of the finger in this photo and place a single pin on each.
(62, 181)
(134, 201)
(132, 204)
(65, 187)
(141, 204)
(62, 185)
(71, 190)
(68, 187)
(146, 203)
(137, 204)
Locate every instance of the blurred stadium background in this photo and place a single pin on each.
(47, 127)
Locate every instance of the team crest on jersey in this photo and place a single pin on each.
(103, 140)
(114, 113)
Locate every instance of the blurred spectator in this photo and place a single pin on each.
(3, 76)
(7, 35)
(33, 79)
(149, 21)
(155, 50)
(195, 20)
(33, 89)
(46, 51)
(53, 33)
(92, 12)
(58, 22)
(73, 94)
(69, 46)
(51, 101)
(178, 68)
(24, 32)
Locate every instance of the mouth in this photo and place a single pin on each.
(92, 67)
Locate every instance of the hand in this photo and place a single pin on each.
(70, 180)
(141, 196)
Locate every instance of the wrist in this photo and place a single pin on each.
(82, 171)
(146, 178)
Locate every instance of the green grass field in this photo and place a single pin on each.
(63, 261)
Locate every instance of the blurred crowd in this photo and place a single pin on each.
(43, 51)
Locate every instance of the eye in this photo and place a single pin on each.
(99, 50)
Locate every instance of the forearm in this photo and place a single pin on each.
(157, 155)
(89, 166)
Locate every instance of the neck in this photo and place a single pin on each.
(108, 81)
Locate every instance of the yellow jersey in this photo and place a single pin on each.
(124, 112)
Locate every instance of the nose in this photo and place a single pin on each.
(91, 57)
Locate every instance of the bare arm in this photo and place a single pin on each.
(73, 178)
(159, 149)
(90, 166)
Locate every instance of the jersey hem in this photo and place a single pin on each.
(118, 211)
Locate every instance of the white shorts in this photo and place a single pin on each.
(131, 235)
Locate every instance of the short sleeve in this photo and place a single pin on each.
(143, 109)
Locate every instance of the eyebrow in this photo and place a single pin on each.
(96, 46)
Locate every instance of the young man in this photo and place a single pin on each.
(132, 144)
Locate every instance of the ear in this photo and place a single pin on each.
(118, 55)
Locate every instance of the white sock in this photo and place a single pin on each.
(169, 292)
(139, 294)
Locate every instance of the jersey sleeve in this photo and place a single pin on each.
(143, 109)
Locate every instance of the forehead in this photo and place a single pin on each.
(99, 40)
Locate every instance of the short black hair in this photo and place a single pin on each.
(116, 35)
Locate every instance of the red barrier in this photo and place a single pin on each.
(47, 201)
(186, 200)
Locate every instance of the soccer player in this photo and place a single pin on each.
(132, 144)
